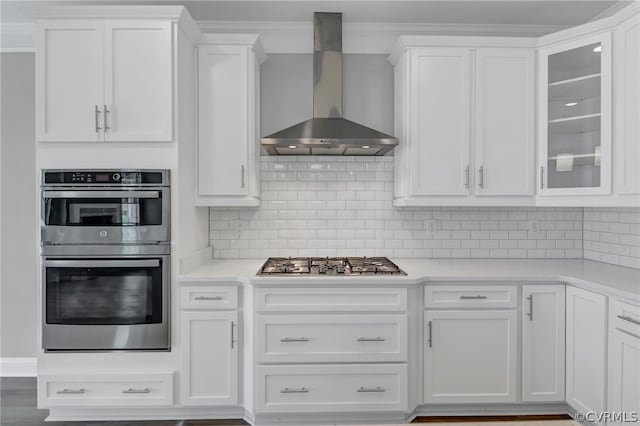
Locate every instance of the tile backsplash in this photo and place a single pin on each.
(335, 206)
(612, 235)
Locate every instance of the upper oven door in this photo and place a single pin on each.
(105, 216)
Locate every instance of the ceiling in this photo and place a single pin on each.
(502, 12)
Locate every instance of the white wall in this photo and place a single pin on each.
(19, 262)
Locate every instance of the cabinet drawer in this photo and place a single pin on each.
(100, 390)
(209, 297)
(625, 317)
(331, 299)
(335, 388)
(332, 338)
(470, 296)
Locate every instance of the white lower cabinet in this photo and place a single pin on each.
(624, 361)
(470, 356)
(335, 388)
(105, 390)
(210, 358)
(543, 348)
(585, 351)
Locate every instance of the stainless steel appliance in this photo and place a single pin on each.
(351, 266)
(105, 260)
(105, 206)
(328, 133)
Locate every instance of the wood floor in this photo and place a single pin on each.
(18, 408)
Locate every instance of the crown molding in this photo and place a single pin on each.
(373, 38)
(252, 40)
(17, 36)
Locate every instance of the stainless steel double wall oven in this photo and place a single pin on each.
(105, 238)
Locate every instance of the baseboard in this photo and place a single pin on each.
(18, 367)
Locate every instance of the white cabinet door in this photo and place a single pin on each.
(505, 104)
(138, 81)
(470, 356)
(223, 136)
(543, 349)
(69, 75)
(626, 149)
(574, 113)
(210, 358)
(439, 121)
(585, 352)
(624, 374)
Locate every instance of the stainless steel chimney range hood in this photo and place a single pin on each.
(328, 133)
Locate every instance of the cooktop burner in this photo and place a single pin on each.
(329, 266)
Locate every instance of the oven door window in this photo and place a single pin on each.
(109, 295)
(80, 211)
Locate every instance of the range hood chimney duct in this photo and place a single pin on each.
(328, 133)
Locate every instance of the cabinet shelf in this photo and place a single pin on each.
(577, 124)
(575, 80)
(575, 89)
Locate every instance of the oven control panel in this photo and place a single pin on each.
(103, 177)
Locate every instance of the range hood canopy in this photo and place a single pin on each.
(328, 133)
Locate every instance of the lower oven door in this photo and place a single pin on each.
(105, 303)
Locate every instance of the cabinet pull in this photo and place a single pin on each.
(370, 339)
(97, 119)
(208, 298)
(530, 313)
(466, 177)
(132, 390)
(430, 339)
(294, 339)
(233, 326)
(481, 173)
(106, 125)
(541, 177)
(629, 319)
(66, 391)
(376, 389)
(242, 174)
(473, 297)
(294, 390)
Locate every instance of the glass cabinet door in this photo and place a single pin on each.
(576, 150)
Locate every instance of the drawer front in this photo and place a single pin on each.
(303, 299)
(626, 317)
(470, 296)
(335, 388)
(115, 390)
(331, 338)
(209, 297)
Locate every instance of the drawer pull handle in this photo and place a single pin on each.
(208, 298)
(294, 339)
(370, 339)
(294, 390)
(376, 389)
(132, 390)
(629, 319)
(473, 297)
(66, 391)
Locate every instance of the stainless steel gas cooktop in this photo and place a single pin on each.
(329, 266)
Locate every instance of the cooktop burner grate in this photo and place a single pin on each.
(329, 266)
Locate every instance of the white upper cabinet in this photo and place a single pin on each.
(138, 81)
(69, 76)
(104, 80)
(465, 119)
(575, 117)
(228, 171)
(504, 132)
(626, 107)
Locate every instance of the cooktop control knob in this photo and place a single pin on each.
(116, 177)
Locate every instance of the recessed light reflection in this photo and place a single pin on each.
(597, 49)
(366, 147)
(293, 146)
(570, 104)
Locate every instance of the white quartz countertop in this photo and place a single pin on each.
(600, 277)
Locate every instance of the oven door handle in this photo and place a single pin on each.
(145, 263)
(101, 194)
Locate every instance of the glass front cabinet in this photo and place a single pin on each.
(575, 117)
